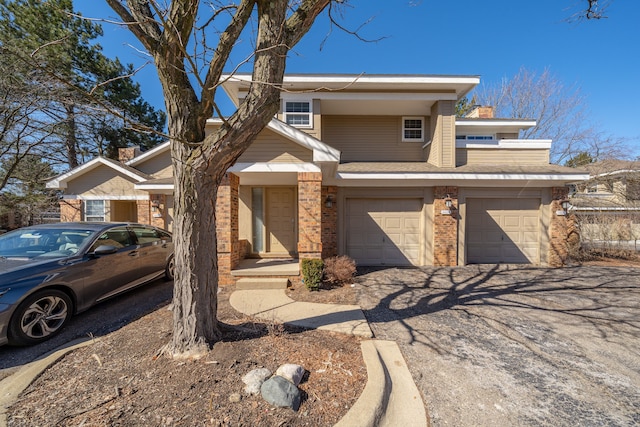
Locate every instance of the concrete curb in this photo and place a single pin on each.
(14, 384)
(390, 397)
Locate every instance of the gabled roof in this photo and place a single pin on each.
(613, 167)
(61, 180)
(159, 149)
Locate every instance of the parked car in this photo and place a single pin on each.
(50, 272)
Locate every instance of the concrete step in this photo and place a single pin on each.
(248, 283)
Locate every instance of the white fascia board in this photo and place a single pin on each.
(104, 197)
(321, 151)
(496, 123)
(461, 176)
(506, 143)
(618, 172)
(149, 154)
(143, 186)
(273, 167)
(375, 96)
(61, 181)
(598, 209)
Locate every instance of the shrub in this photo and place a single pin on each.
(312, 273)
(340, 269)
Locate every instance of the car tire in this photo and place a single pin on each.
(169, 271)
(39, 317)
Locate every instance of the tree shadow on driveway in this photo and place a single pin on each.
(514, 345)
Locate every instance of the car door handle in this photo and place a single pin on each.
(133, 253)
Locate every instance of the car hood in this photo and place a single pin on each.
(10, 265)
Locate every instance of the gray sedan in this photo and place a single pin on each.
(49, 272)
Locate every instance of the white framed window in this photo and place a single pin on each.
(413, 129)
(298, 114)
(94, 210)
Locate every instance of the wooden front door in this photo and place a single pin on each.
(281, 220)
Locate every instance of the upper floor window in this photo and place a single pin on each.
(94, 210)
(413, 129)
(298, 113)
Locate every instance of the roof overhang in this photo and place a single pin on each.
(493, 125)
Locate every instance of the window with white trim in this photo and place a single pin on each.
(94, 210)
(298, 114)
(413, 129)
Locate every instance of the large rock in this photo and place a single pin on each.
(293, 373)
(278, 391)
(254, 379)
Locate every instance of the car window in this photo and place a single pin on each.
(118, 237)
(32, 242)
(146, 235)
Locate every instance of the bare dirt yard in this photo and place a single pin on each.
(120, 380)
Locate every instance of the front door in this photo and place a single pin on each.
(281, 220)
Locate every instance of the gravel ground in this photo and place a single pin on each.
(505, 345)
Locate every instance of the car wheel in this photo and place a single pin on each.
(169, 271)
(39, 317)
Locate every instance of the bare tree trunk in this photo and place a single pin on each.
(71, 142)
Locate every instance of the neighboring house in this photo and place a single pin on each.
(375, 166)
(607, 204)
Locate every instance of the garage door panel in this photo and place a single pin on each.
(386, 231)
(503, 230)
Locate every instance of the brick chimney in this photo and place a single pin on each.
(128, 153)
(480, 112)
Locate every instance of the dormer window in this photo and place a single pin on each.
(298, 114)
(413, 129)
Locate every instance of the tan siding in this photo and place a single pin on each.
(507, 135)
(371, 138)
(470, 156)
(244, 213)
(269, 147)
(103, 181)
(443, 142)
(158, 166)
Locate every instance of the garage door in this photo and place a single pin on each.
(503, 231)
(384, 231)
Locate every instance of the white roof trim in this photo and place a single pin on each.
(496, 123)
(61, 181)
(321, 151)
(616, 172)
(365, 78)
(273, 167)
(460, 176)
(104, 197)
(149, 154)
(151, 186)
(505, 143)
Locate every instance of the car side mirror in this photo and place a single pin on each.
(105, 250)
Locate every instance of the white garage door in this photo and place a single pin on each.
(503, 231)
(384, 231)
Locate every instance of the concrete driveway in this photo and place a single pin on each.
(509, 346)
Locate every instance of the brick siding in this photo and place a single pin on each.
(329, 222)
(445, 228)
(560, 228)
(310, 215)
(70, 210)
(227, 231)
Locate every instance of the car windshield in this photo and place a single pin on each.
(42, 242)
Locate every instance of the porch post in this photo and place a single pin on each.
(310, 215)
(227, 228)
(329, 221)
(158, 210)
(562, 229)
(445, 227)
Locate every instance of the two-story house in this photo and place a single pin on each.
(377, 167)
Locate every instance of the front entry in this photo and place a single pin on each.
(281, 220)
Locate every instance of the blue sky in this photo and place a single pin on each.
(492, 39)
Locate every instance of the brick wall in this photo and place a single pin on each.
(144, 211)
(310, 215)
(445, 228)
(158, 209)
(560, 228)
(227, 228)
(70, 210)
(329, 222)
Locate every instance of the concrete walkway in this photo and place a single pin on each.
(390, 397)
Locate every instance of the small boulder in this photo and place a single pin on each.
(280, 392)
(293, 373)
(254, 379)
